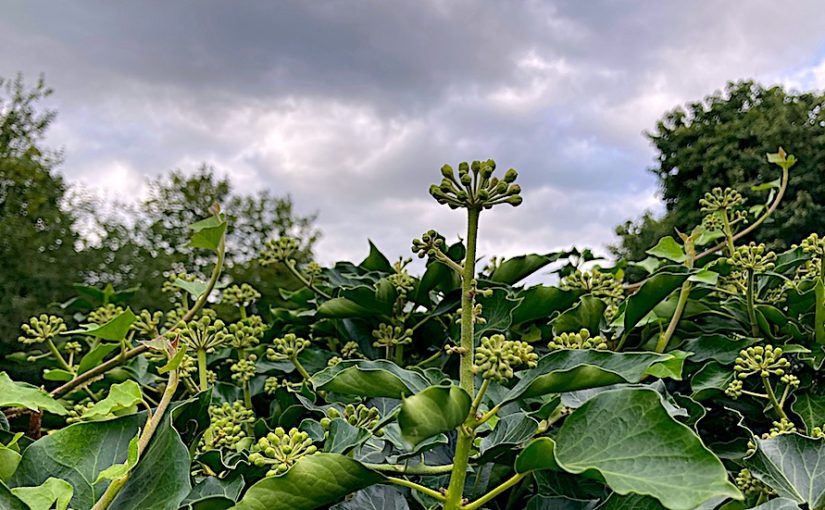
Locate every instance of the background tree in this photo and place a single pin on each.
(722, 141)
(37, 258)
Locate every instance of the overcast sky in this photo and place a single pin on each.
(352, 107)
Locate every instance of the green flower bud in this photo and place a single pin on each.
(580, 340)
(203, 334)
(287, 347)
(447, 172)
(510, 175)
(241, 295)
(42, 328)
(227, 424)
(279, 251)
(496, 357)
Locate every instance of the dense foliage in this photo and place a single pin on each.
(369, 387)
(720, 141)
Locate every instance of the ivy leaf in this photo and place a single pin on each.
(194, 289)
(721, 348)
(811, 408)
(57, 374)
(376, 261)
(540, 502)
(538, 455)
(54, 492)
(118, 470)
(18, 394)
(668, 248)
(377, 497)
(122, 399)
(571, 370)
(628, 437)
(497, 311)
(649, 264)
(343, 437)
(314, 481)
(8, 501)
(778, 504)
(587, 314)
(651, 293)
(510, 431)
(631, 502)
(9, 457)
(540, 302)
(793, 465)
(208, 233)
(516, 269)
(114, 330)
(433, 411)
(94, 357)
(378, 378)
(710, 380)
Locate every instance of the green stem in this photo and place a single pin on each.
(247, 396)
(300, 368)
(665, 337)
(455, 491)
(750, 298)
(430, 359)
(420, 488)
(728, 232)
(819, 312)
(58, 356)
(290, 264)
(772, 398)
(477, 401)
(202, 370)
(143, 442)
(495, 492)
(419, 469)
(399, 355)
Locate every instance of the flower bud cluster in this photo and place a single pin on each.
(280, 449)
(580, 340)
(147, 323)
(818, 432)
(814, 244)
(204, 334)
(595, 283)
(104, 314)
(350, 350)
(241, 295)
(75, 414)
(750, 485)
(73, 348)
(762, 361)
(357, 416)
(279, 250)
(227, 426)
(430, 244)
(387, 335)
(496, 358)
(41, 328)
(478, 310)
(243, 370)
(476, 187)
(719, 199)
(247, 332)
(314, 269)
(753, 257)
(287, 347)
(188, 366)
(272, 384)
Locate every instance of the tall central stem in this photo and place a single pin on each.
(467, 380)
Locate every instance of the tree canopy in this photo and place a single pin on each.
(722, 141)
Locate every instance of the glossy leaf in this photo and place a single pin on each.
(18, 394)
(208, 233)
(651, 293)
(378, 378)
(628, 437)
(515, 269)
(536, 456)
(811, 408)
(668, 248)
(570, 370)
(433, 411)
(53, 493)
(540, 302)
(95, 356)
(314, 481)
(377, 497)
(376, 261)
(586, 314)
(123, 397)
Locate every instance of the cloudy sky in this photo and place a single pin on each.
(352, 106)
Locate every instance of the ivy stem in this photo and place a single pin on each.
(290, 264)
(464, 442)
(143, 441)
(420, 488)
(819, 312)
(750, 297)
(728, 232)
(495, 492)
(477, 401)
(772, 398)
(300, 368)
(665, 337)
(202, 370)
(410, 470)
(58, 356)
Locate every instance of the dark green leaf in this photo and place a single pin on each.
(343, 437)
(435, 410)
(94, 357)
(377, 497)
(8, 501)
(314, 481)
(536, 456)
(497, 311)
(793, 465)
(627, 436)
(540, 302)
(376, 261)
(570, 370)
(587, 314)
(378, 378)
(516, 269)
(811, 408)
(654, 291)
(559, 503)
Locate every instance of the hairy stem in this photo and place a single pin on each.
(455, 491)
